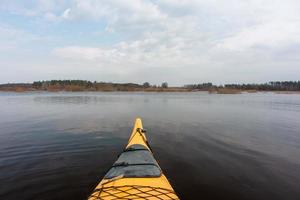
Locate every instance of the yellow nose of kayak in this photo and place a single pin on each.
(138, 135)
(135, 174)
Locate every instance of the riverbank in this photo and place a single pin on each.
(100, 89)
(158, 90)
(88, 86)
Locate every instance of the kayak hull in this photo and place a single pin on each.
(136, 174)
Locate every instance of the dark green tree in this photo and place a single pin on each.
(146, 85)
(164, 85)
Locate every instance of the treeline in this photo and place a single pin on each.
(271, 86)
(83, 85)
(201, 86)
(45, 84)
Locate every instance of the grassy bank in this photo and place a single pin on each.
(83, 85)
(79, 88)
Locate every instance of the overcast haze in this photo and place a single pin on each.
(178, 41)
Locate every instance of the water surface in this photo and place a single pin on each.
(210, 146)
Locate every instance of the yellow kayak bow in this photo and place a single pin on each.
(136, 174)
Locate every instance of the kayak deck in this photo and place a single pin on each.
(135, 174)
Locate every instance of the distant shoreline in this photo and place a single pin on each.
(169, 90)
(286, 87)
(21, 90)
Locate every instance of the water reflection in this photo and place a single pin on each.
(58, 145)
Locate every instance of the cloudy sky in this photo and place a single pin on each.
(178, 41)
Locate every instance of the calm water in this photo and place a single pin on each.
(59, 145)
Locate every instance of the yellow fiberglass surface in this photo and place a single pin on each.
(126, 187)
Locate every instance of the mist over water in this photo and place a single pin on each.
(210, 146)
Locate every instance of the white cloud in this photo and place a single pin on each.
(270, 35)
(66, 13)
(86, 53)
(199, 36)
(158, 50)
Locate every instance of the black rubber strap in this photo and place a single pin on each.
(122, 164)
(134, 149)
